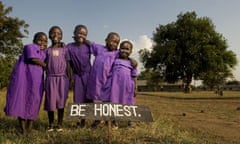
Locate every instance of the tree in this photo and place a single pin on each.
(189, 48)
(12, 31)
(233, 82)
(153, 79)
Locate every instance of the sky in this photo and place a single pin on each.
(135, 20)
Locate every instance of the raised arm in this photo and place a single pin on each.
(37, 61)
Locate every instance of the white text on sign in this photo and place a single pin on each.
(115, 110)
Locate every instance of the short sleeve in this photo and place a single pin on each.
(32, 51)
(134, 72)
(96, 49)
(67, 55)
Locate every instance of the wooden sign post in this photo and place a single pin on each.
(109, 112)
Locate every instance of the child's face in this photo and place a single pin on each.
(80, 35)
(125, 50)
(55, 35)
(112, 42)
(42, 41)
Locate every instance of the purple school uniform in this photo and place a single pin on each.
(100, 72)
(122, 83)
(81, 65)
(25, 91)
(57, 83)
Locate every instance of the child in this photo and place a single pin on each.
(79, 54)
(123, 76)
(123, 79)
(104, 58)
(25, 91)
(57, 83)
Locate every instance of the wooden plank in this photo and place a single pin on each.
(109, 111)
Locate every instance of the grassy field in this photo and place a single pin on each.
(196, 118)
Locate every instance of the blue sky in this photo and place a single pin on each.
(135, 20)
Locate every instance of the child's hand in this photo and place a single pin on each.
(133, 62)
(135, 93)
(44, 66)
(71, 83)
(62, 44)
(87, 42)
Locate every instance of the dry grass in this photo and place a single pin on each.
(195, 95)
(196, 118)
(204, 115)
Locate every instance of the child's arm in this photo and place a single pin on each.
(135, 84)
(133, 62)
(70, 74)
(62, 44)
(87, 42)
(38, 62)
(94, 48)
(134, 77)
(69, 70)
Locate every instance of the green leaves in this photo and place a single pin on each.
(12, 30)
(190, 47)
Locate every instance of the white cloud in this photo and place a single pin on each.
(105, 26)
(143, 41)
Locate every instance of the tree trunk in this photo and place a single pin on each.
(188, 88)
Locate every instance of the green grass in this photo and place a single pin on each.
(205, 121)
(195, 95)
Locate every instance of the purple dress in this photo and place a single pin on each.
(100, 72)
(122, 84)
(25, 91)
(57, 83)
(81, 65)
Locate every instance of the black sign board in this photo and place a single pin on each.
(109, 111)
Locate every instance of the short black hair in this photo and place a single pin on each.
(35, 37)
(79, 26)
(112, 33)
(126, 41)
(54, 27)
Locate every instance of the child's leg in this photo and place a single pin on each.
(97, 123)
(60, 116)
(50, 120)
(83, 122)
(130, 124)
(60, 119)
(29, 125)
(114, 125)
(22, 124)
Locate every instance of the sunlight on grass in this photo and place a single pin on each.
(195, 94)
(170, 126)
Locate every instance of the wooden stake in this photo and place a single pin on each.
(109, 132)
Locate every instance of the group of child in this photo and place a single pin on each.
(111, 78)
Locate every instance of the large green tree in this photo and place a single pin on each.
(189, 48)
(12, 30)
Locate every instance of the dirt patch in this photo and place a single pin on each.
(212, 121)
